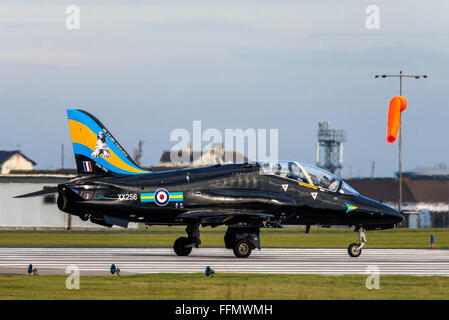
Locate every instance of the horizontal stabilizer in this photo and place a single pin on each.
(46, 190)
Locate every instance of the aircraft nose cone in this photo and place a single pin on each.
(395, 215)
(381, 213)
(385, 213)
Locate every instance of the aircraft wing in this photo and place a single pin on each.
(202, 214)
(219, 217)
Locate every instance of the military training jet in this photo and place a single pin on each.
(111, 189)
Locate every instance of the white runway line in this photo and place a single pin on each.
(268, 260)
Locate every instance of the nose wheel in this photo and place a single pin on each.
(355, 249)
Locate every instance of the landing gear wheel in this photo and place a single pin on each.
(85, 217)
(180, 246)
(353, 251)
(242, 249)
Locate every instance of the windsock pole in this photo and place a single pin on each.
(397, 105)
(400, 76)
(400, 147)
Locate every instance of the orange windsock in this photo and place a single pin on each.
(397, 105)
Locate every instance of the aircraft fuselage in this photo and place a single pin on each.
(238, 188)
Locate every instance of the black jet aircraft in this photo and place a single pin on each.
(111, 189)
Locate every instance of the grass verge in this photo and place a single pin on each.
(223, 286)
(287, 237)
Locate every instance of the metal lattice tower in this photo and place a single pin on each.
(329, 148)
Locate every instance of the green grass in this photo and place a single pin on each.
(286, 237)
(223, 286)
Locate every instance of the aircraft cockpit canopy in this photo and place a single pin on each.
(306, 174)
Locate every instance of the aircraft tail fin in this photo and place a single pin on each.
(97, 152)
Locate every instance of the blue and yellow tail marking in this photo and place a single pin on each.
(84, 131)
(350, 207)
(173, 196)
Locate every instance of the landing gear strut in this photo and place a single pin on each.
(183, 246)
(242, 241)
(355, 249)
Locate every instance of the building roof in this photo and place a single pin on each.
(435, 189)
(438, 171)
(5, 155)
(427, 173)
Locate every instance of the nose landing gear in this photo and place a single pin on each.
(355, 249)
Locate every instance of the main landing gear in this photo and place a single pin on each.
(242, 240)
(85, 216)
(355, 249)
(183, 246)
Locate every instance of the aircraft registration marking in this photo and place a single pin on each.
(127, 196)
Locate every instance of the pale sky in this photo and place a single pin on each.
(146, 68)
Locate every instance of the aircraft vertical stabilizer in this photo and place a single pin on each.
(96, 150)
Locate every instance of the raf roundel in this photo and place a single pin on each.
(161, 197)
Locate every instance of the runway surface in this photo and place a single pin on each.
(97, 261)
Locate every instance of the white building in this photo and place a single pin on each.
(35, 212)
(14, 160)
